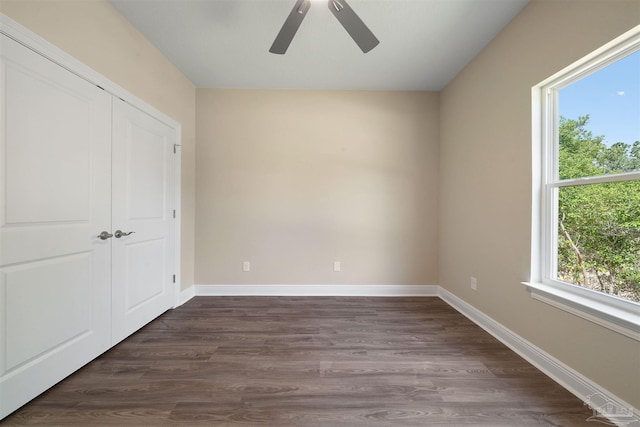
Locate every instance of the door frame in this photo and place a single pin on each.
(31, 40)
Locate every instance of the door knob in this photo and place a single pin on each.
(105, 235)
(120, 233)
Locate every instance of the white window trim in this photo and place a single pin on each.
(606, 310)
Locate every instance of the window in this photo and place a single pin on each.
(586, 255)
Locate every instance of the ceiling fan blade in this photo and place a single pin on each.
(290, 27)
(351, 22)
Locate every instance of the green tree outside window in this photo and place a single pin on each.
(598, 224)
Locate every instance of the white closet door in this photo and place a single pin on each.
(55, 198)
(143, 204)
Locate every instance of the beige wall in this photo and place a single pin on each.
(295, 180)
(485, 190)
(96, 34)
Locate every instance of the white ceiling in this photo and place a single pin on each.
(225, 43)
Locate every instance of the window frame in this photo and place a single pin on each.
(615, 313)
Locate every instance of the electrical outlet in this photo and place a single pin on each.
(337, 266)
(246, 266)
(474, 283)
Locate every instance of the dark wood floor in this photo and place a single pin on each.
(285, 361)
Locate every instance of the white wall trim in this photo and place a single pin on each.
(177, 217)
(317, 290)
(185, 295)
(582, 387)
(602, 309)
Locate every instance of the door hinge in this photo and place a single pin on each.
(174, 214)
(174, 278)
(175, 146)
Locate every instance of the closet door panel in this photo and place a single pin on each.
(55, 198)
(143, 203)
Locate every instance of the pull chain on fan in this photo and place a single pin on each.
(351, 22)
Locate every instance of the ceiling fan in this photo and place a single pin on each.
(351, 22)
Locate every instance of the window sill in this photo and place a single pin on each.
(617, 315)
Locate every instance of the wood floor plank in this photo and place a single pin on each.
(300, 361)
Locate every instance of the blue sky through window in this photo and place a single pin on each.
(611, 97)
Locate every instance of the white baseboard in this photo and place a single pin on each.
(185, 295)
(605, 403)
(317, 290)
